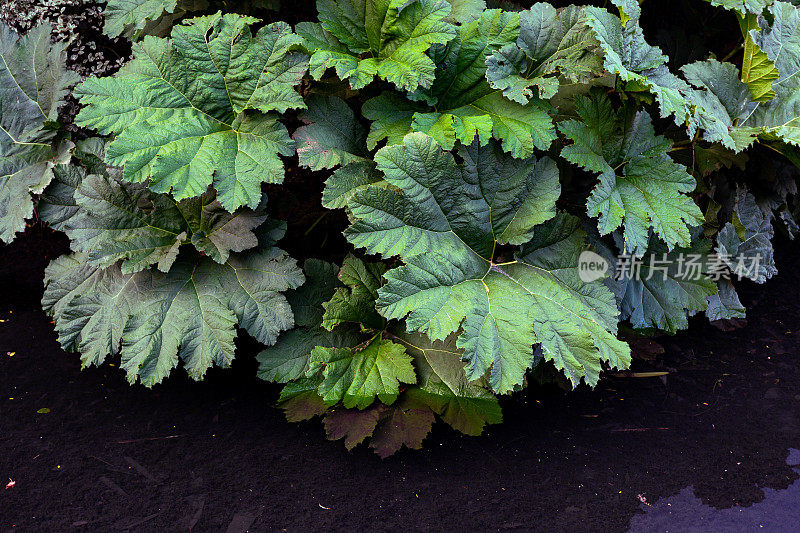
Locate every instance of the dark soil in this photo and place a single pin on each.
(217, 455)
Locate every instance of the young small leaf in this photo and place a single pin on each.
(357, 376)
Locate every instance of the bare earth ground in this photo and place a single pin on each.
(217, 456)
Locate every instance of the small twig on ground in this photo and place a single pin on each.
(638, 429)
(148, 439)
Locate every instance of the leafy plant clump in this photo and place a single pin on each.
(474, 161)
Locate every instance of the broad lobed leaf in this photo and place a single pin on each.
(551, 43)
(641, 187)
(199, 109)
(388, 38)
(34, 82)
(445, 221)
(461, 105)
(155, 319)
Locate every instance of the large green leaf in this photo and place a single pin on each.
(120, 221)
(33, 83)
(445, 223)
(665, 286)
(640, 187)
(331, 135)
(153, 319)
(288, 359)
(387, 38)
(199, 109)
(460, 105)
(745, 244)
(551, 43)
(641, 66)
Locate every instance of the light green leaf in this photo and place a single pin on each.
(626, 51)
(346, 181)
(445, 222)
(463, 105)
(387, 38)
(199, 109)
(758, 72)
(551, 43)
(357, 376)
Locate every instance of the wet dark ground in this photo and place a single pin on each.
(707, 445)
